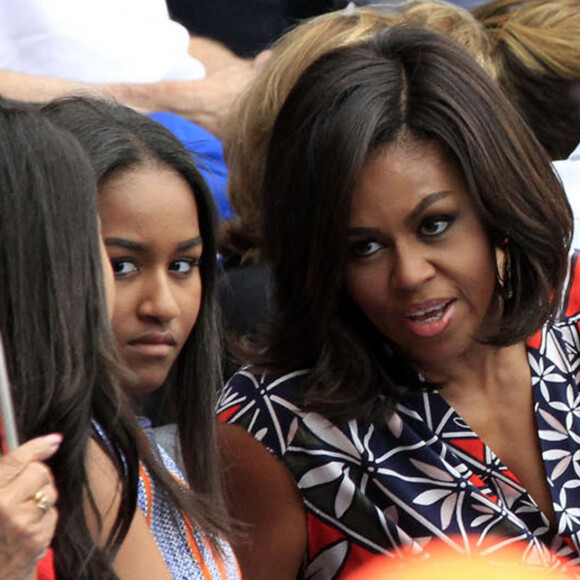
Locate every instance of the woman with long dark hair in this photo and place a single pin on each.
(158, 223)
(417, 379)
(63, 372)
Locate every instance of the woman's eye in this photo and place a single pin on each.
(364, 248)
(435, 226)
(123, 267)
(183, 266)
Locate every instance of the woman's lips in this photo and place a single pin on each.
(429, 319)
(153, 344)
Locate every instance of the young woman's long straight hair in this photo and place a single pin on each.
(55, 327)
(118, 139)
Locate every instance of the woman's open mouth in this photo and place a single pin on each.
(431, 319)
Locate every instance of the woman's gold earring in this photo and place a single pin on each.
(507, 276)
(504, 279)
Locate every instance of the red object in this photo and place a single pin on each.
(45, 569)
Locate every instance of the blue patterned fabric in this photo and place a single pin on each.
(170, 530)
(426, 475)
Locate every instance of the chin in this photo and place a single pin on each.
(149, 385)
(146, 383)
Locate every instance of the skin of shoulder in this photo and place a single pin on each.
(265, 500)
(138, 557)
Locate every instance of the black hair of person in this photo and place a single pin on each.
(119, 139)
(350, 104)
(56, 331)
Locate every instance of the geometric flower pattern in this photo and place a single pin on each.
(426, 475)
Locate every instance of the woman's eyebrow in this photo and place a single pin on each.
(427, 201)
(191, 243)
(126, 244)
(142, 247)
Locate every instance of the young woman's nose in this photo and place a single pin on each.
(412, 266)
(158, 300)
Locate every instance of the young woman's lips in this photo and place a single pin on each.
(429, 319)
(154, 344)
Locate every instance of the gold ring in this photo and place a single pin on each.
(42, 502)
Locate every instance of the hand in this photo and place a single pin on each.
(27, 516)
(208, 101)
(212, 54)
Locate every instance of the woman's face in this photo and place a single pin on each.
(420, 264)
(151, 230)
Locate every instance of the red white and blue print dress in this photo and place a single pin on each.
(426, 475)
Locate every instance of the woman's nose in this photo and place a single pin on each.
(412, 267)
(158, 300)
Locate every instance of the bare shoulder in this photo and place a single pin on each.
(265, 499)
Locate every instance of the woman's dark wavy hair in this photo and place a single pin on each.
(55, 328)
(118, 139)
(349, 105)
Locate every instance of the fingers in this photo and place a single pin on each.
(14, 463)
(24, 542)
(44, 500)
(28, 517)
(23, 474)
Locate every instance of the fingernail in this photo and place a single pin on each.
(53, 440)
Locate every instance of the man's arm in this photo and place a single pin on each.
(32, 88)
(206, 102)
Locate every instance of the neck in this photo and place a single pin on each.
(485, 371)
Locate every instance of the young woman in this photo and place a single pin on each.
(63, 374)
(158, 224)
(418, 376)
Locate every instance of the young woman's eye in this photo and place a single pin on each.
(183, 267)
(435, 226)
(123, 267)
(364, 248)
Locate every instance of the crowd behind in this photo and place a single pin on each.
(289, 289)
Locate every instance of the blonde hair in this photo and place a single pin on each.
(543, 35)
(536, 51)
(456, 23)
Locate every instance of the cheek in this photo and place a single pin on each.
(368, 289)
(479, 278)
(191, 304)
(124, 311)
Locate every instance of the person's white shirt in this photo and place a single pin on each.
(569, 173)
(99, 41)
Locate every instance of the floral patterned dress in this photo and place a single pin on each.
(426, 475)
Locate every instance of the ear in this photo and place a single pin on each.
(500, 264)
(503, 268)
